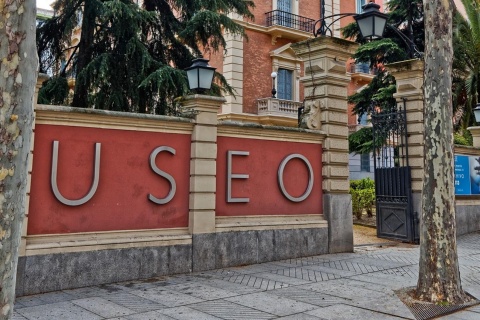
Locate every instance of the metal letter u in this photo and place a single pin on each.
(96, 178)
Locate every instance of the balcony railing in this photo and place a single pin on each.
(278, 107)
(289, 20)
(362, 68)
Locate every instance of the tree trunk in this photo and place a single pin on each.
(18, 72)
(439, 276)
(80, 96)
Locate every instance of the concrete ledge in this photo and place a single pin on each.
(228, 249)
(52, 272)
(467, 218)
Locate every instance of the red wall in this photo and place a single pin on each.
(262, 185)
(126, 179)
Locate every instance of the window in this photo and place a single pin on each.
(365, 162)
(284, 5)
(284, 16)
(285, 84)
(362, 120)
(360, 4)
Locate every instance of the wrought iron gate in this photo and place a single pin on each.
(395, 217)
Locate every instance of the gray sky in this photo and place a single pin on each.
(44, 4)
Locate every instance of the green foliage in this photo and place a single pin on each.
(464, 140)
(132, 58)
(361, 141)
(54, 91)
(363, 196)
(407, 18)
(466, 69)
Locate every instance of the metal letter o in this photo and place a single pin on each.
(310, 178)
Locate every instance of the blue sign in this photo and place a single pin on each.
(467, 175)
(462, 175)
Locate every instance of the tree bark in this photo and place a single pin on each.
(439, 276)
(80, 95)
(18, 75)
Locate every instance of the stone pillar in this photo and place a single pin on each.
(475, 131)
(409, 77)
(203, 172)
(325, 84)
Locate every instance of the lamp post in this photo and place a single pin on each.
(274, 76)
(200, 75)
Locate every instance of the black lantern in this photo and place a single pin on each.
(371, 22)
(476, 111)
(200, 75)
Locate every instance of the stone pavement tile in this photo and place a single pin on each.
(202, 291)
(133, 302)
(230, 311)
(377, 264)
(166, 297)
(300, 316)
(17, 316)
(273, 304)
(96, 291)
(307, 296)
(186, 313)
(103, 307)
(330, 270)
(230, 286)
(299, 262)
(29, 301)
(57, 296)
(368, 285)
(474, 309)
(344, 312)
(259, 282)
(152, 315)
(281, 278)
(390, 281)
(307, 274)
(391, 305)
(342, 288)
(461, 315)
(58, 311)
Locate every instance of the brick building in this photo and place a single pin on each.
(249, 63)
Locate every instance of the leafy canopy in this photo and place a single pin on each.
(131, 57)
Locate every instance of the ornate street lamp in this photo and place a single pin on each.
(200, 75)
(274, 76)
(371, 22)
(476, 111)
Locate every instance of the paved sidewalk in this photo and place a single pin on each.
(340, 286)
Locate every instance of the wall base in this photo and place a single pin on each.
(60, 271)
(229, 249)
(337, 209)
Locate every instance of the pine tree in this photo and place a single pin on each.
(131, 58)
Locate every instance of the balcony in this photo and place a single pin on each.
(278, 107)
(362, 72)
(287, 25)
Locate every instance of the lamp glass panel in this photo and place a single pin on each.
(206, 77)
(366, 26)
(379, 26)
(192, 76)
(477, 114)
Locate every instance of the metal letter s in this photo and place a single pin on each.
(170, 179)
